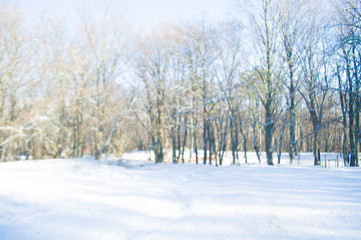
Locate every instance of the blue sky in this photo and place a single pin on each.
(146, 13)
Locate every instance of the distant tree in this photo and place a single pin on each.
(201, 54)
(315, 80)
(266, 24)
(232, 86)
(153, 66)
(292, 33)
(348, 72)
(15, 65)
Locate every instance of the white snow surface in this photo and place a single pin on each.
(87, 199)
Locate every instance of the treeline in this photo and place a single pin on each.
(283, 76)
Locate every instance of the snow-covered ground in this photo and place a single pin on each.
(129, 199)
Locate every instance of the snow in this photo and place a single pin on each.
(132, 199)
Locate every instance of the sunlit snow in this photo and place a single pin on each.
(130, 199)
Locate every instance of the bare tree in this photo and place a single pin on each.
(348, 46)
(15, 52)
(268, 81)
(292, 31)
(232, 84)
(153, 66)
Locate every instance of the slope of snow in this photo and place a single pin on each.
(88, 199)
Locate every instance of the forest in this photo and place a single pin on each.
(280, 77)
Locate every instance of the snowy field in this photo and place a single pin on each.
(130, 199)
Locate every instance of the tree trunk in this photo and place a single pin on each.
(357, 108)
(280, 143)
(316, 150)
(211, 142)
(289, 54)
(344, 117)
(174, 145)
(234, 143)
(268, 127)
(245, 137)
(184, 138)
(316, 127)
(195, 137)
(255, 146)
(292, 124)
(205, 140)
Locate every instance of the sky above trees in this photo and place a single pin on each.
(144, 14)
